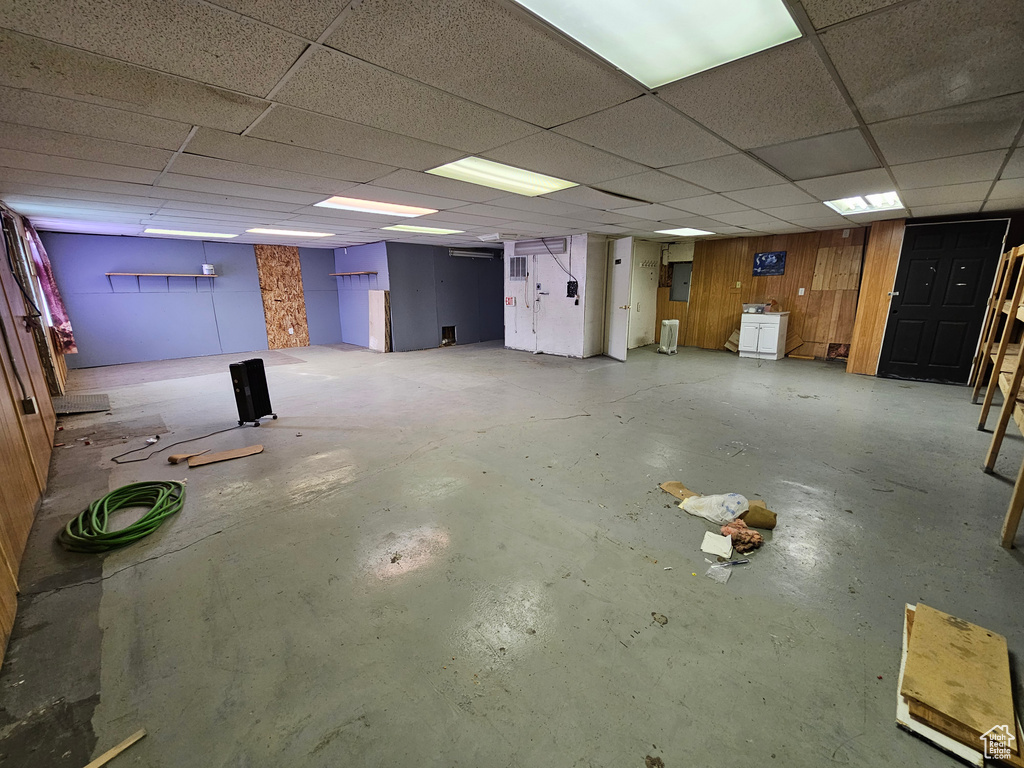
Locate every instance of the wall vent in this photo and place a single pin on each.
(553, 245)
(517, 268)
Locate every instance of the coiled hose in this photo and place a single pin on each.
(88, 531)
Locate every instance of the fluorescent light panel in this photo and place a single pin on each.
(488, 173)
(185, 233)
(372, 206)
(850, 206)
(288, 232)
(424, 230)
(684, 232)
(660, 41)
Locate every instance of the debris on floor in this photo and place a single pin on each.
(714, 544)
(177, 458)
(955, 690)
(653, 762)
(720, 508)
(756, 513)
(743, 538)
(236, 453)
(663, 620)
(717, 572)
(759, 516)
(110, 754)
(396, 557)
(733, 344)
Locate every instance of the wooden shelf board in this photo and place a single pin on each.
(1018, 408)
(1009, 359)
(346, 274)
(152, 274)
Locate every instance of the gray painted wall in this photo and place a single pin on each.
(430, 289)
(125, 320)
(353, 299)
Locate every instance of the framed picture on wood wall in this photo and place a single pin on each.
(769, 263)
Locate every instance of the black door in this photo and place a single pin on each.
(943, 283)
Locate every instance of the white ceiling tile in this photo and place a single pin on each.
(401, 197)
(427, 184)
(726, 174)
(338, 85)
(823, 13)
(563, 158)
(783, 228)
(31, 161)
(53, 113)
(652, 212)
(286, 157)
(1005, 204)
(842, 152)
(591, 198)
(797, 212)
(750, 219)
(773, 196)
(954, 193)
(57, 70)
(696, 222)
(189, 39)
(824, 222)
(947, 209)
(653, 186)
(707, 205)
(961, 130)
(484, 52)
(1007, 188)
(778, 95)
(547, 206)
(51, 224)
(44, 142)
(342, 137)
(12, 189)
(864, 218)
(929, 54)
(981, 166)
(647, 131)
(214, 168)
(1015, 167)
(216, 198)
(848, 184)
(236, 189)
(37, 203)
(308, 19)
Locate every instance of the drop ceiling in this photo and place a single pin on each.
(228, 115)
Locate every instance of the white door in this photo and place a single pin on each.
(620, 275)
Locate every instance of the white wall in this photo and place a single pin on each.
(544, 319)
(643, 298)
(594, 299)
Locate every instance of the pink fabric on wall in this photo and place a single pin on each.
(58, 313)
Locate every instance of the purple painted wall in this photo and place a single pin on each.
(353, 291)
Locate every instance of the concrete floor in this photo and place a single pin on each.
(272, 624)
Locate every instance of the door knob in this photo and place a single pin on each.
(624, 306)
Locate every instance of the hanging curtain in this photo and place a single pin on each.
(55, 304)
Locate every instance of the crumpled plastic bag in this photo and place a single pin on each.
(722, 508)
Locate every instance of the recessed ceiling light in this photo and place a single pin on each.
(372, 206)
(488, 173)
(288, 232)
(684, 232)
(185, 233)
(424, 230)
(849, 206)
(660, 41)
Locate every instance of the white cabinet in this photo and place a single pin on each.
(764, 336)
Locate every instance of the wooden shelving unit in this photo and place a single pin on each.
(355, 279)
(139, 275)
(1000, 357)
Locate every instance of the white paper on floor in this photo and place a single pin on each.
(715, 544)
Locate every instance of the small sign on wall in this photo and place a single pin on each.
(510, 301)
(769, 263)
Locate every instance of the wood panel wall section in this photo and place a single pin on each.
(826, 265)
(26, 441)
(284, 303)
(881, 258)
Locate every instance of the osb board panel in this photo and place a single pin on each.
(826, 258)
(960, 670)
(671, 310)
(284, 304)
(881, 257)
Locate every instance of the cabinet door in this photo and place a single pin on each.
(748, 337)
(768, 338)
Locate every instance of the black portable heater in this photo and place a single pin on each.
(251, 394)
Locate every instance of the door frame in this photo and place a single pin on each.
(620, 249)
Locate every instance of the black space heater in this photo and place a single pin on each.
(251, 394)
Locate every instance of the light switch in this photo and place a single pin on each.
(800, 292)
(846, 233)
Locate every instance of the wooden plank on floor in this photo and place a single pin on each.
(235, 453)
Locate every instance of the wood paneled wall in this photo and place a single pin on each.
(670, 310)
(25, 440)
(825, 264)
(284, 303)
(881, 258)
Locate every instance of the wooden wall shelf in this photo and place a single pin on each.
(349, 274)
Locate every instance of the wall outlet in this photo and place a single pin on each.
(29, 406)
(738, 284)
(291, 331)
(846, 233)
(800, 292)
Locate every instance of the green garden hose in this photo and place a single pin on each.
(88, 531)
